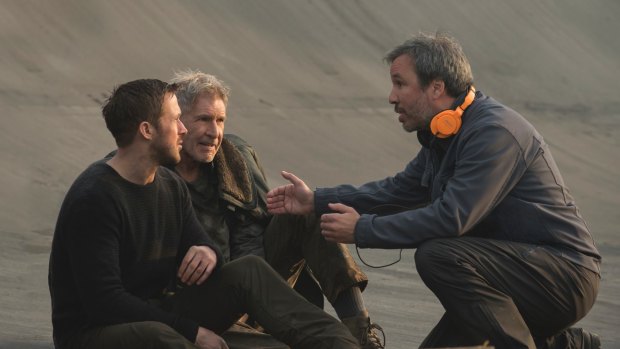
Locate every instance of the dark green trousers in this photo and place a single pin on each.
(292, 242)
(512, 294)
(247, 285)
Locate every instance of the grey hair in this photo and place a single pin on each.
(437, 56)
(190, 84)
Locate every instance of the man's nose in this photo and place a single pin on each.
(182, 128)
(392, 97)
(212, 128)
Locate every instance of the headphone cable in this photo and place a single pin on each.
(400, 256)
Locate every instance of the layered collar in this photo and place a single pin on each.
(234, 178)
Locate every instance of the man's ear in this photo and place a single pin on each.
(145, 129)
(438, 88)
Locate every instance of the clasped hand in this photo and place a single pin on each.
(340, 225)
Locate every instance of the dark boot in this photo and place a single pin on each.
(574, 338)
(365, 332)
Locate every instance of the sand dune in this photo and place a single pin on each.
(310, 92)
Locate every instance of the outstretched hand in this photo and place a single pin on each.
(340, 225)
(294, 198)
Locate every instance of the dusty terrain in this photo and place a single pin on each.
(310, 93)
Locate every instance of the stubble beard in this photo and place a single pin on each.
(425, 116)
(196, 156)
(166, 156)
(423, 122)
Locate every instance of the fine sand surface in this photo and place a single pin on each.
(309, 91)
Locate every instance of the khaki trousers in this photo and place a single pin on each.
(293, 242)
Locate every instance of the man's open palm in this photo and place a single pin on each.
(294, 198)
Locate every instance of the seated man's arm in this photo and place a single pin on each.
(198, 256)
(93, 243)
(246, 237)
(406, 189)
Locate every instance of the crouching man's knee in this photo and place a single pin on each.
(435, 259)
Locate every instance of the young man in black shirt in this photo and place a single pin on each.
(131, 266)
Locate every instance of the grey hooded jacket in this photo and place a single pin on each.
(495, 179)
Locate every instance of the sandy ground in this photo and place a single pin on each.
(310, 92)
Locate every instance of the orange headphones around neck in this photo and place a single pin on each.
(448, 122)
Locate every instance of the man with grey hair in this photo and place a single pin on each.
(228, 188)
(499, 239)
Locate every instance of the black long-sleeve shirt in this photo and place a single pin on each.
(116, 246)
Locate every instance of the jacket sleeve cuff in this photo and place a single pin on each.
(363, 231)
(322, 197)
